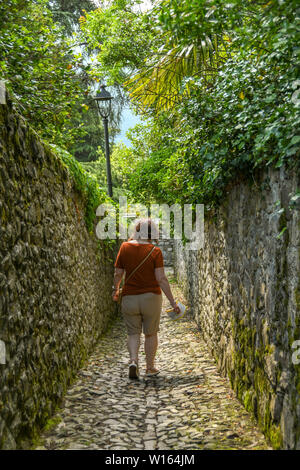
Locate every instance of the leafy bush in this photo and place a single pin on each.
(247, 117)
(86, 184)
(40, 68)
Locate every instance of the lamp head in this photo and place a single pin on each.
(103, 100)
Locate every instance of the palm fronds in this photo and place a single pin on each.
(160, 84)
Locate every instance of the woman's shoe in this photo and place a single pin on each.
(151, 372)
(133, 370)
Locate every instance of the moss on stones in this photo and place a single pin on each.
(275, 437)
(51, 423)
(256, 395)
(56, 299)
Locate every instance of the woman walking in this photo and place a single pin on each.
(141, 294)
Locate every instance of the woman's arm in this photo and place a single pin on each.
(118, 274)
(165, 286)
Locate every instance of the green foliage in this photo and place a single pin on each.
(39, 67)
(193, 42)
(86, 184)
(85, 149)
(123, 164)
(143, 52)
(97, 168)
(157, 173)
(121, 38)
(47, 74)
(220, 80)
(68, 12)
(248, 117)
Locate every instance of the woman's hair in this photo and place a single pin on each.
(145, 229)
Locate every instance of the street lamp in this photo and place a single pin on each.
(103, 100)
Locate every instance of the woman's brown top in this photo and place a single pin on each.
(143, 280)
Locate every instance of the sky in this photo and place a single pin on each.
(128, 120)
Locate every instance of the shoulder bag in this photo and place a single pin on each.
(132, 273)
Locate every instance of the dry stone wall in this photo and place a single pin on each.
(55, 281)
(244, 292)
(167, 247)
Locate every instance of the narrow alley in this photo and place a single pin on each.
(187, 406)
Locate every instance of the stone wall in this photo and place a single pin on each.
(243, 288)
(167, 247)
(55, 281)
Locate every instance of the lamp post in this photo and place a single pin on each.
(103, 100)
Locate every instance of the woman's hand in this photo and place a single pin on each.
(118, 274)
(115, 295)
(176, 309)
(164, 284)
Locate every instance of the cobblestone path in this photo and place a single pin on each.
(189, 406)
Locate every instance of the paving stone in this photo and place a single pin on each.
(150, 445)
(187, 406)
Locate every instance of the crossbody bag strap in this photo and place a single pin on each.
(132, 272)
